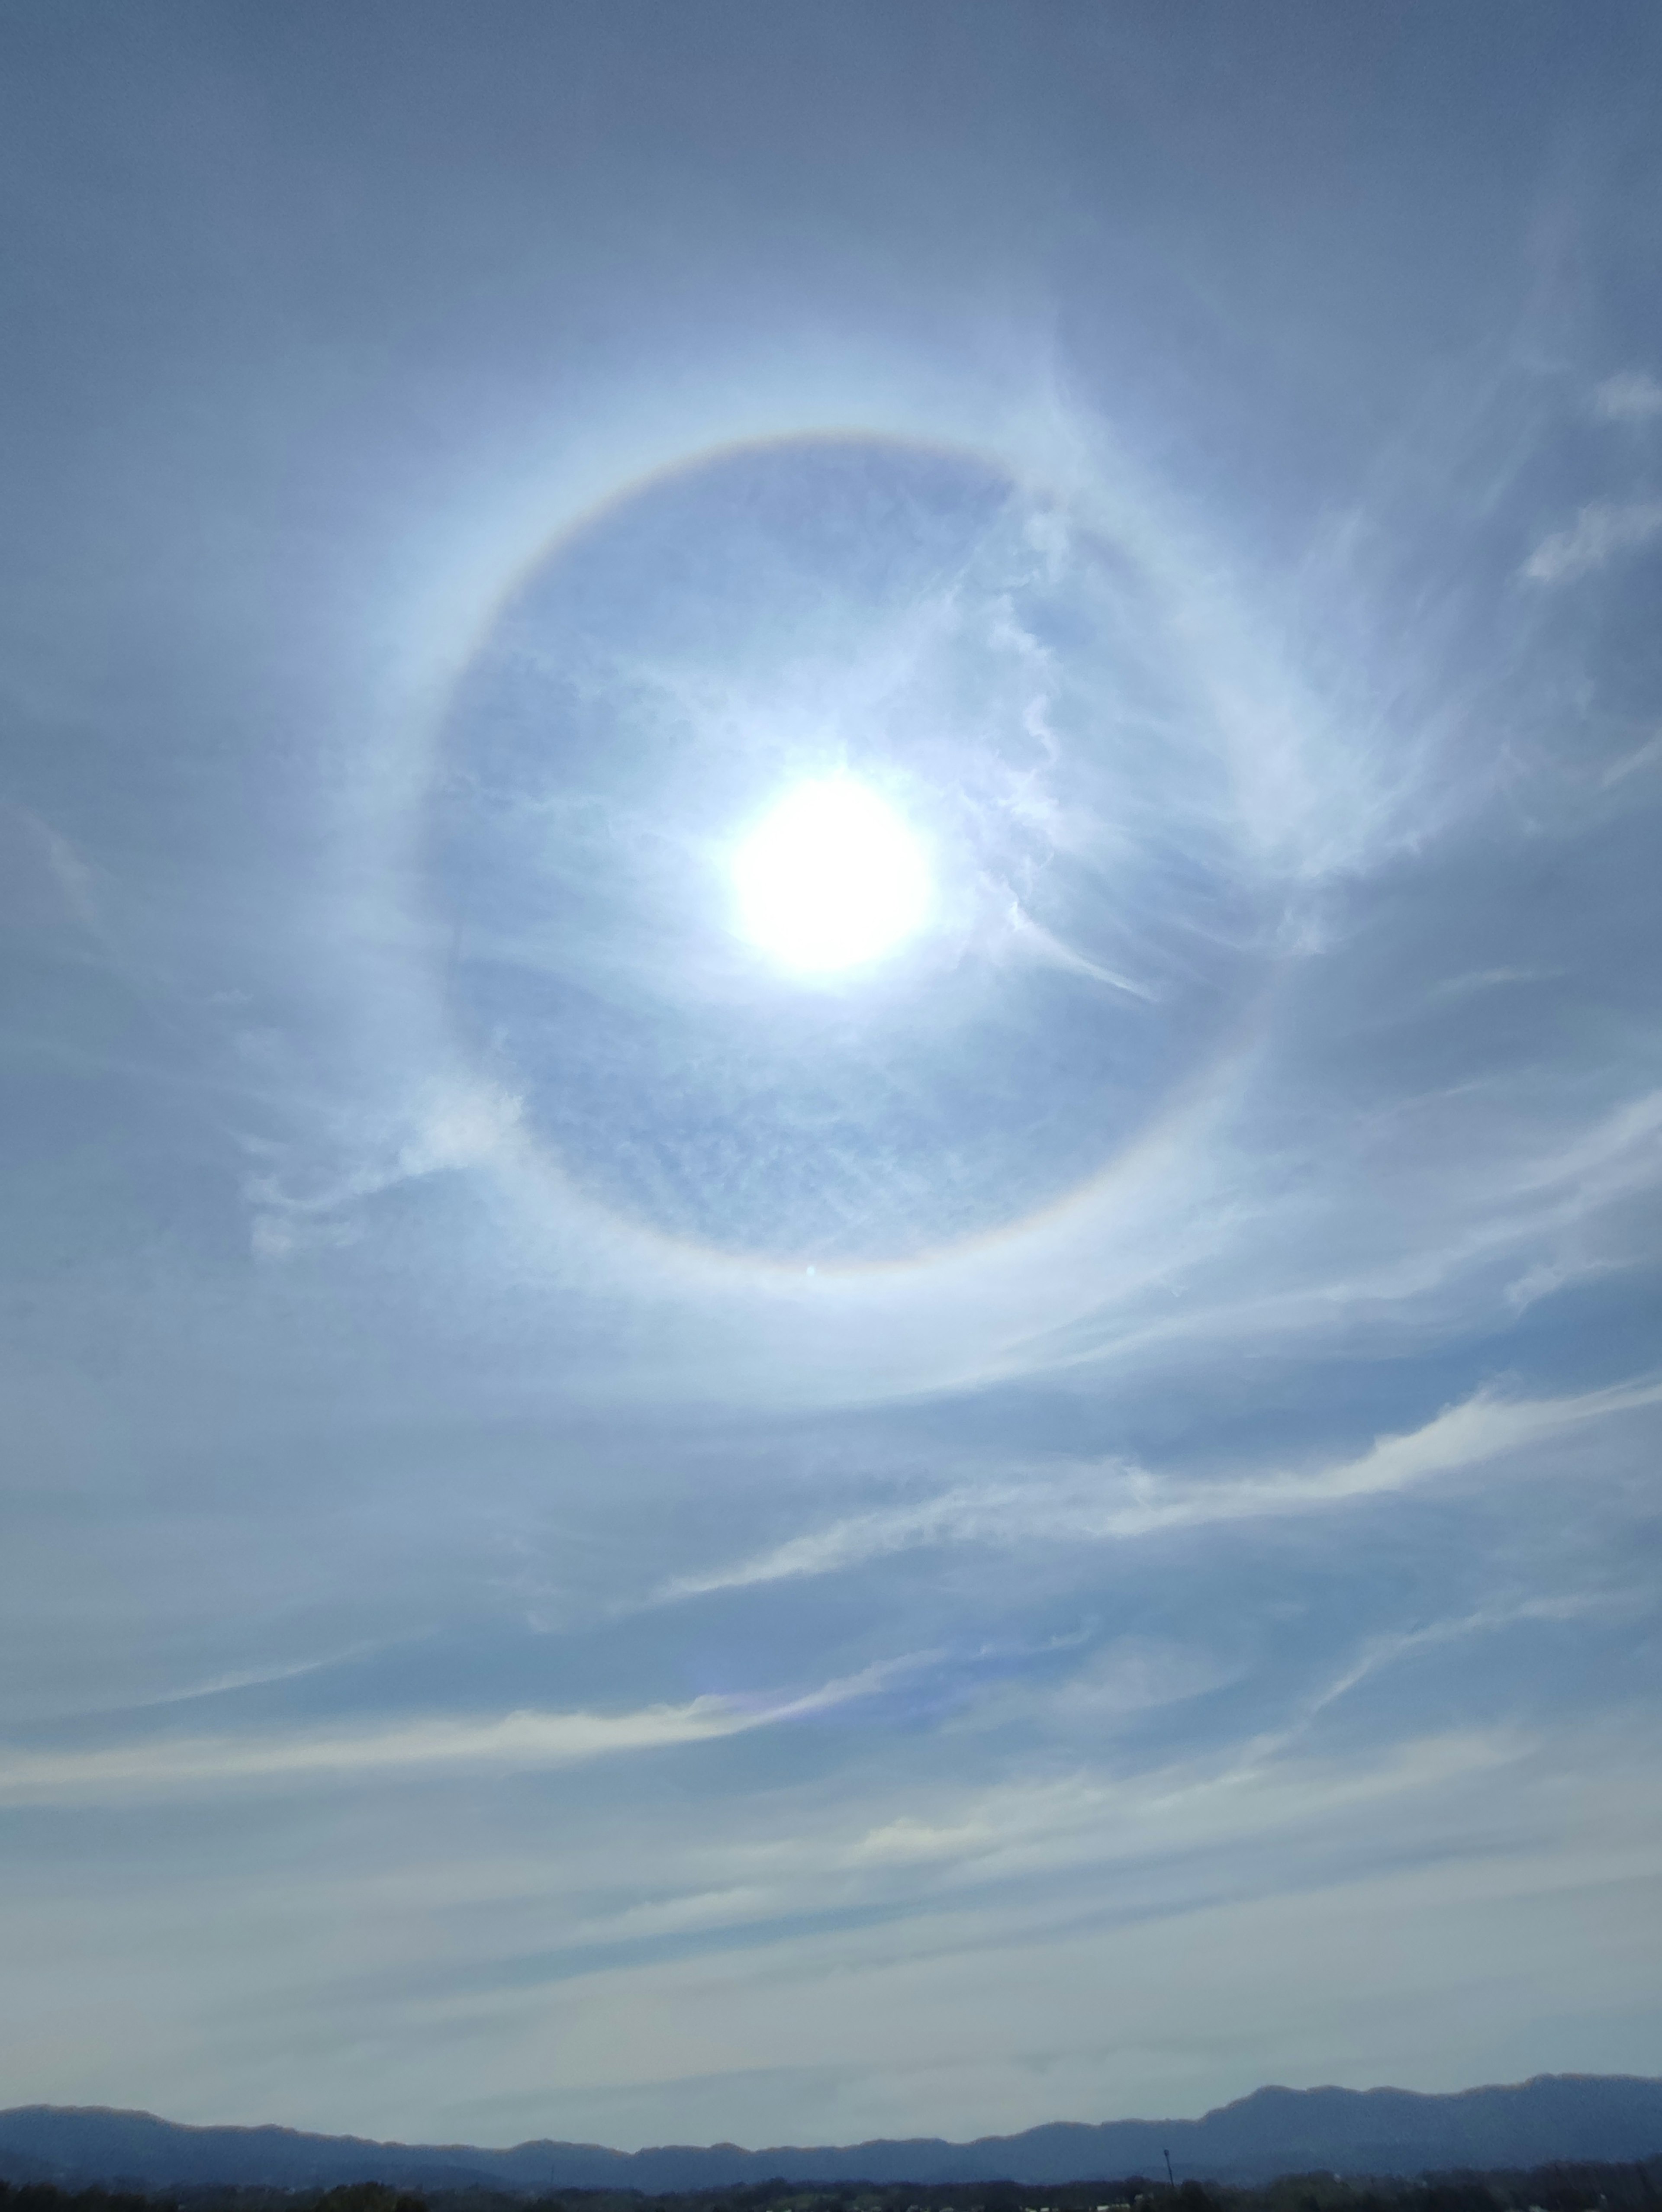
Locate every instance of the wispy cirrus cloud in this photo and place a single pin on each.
(1039, 944)
(1491, 979)
(463, 1126)
(1603, 529)
(1632, 395)
(1121, 1503)
(527, 1739)
(1265, 1141)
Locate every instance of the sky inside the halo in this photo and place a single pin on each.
(601, 1536)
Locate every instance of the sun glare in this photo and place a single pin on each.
(829, 880)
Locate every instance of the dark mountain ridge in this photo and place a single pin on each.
(1272, 2131)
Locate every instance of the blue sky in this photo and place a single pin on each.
(603, 1538)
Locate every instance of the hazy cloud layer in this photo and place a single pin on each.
(595, 1541)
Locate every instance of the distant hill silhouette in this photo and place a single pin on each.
(1273, 2131)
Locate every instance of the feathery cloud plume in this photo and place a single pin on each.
(1599, 534)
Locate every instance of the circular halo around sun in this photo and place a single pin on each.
(838, 711)
(829, 880)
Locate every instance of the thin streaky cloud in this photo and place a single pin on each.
(1492, 979)
(1033, 939)
(1122, 1503)
(1511, 1203)
(253, 1678)
(526, 1739)
(1381, 1653)
(1616, 1156)
(1642, 756)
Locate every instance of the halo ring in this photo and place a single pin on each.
(1189, 1102)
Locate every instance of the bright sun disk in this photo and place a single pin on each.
(830, 878)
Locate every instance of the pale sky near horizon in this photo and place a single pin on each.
(610, 1528)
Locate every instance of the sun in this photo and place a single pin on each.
(830, 878)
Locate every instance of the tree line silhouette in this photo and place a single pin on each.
(1633, 2187)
